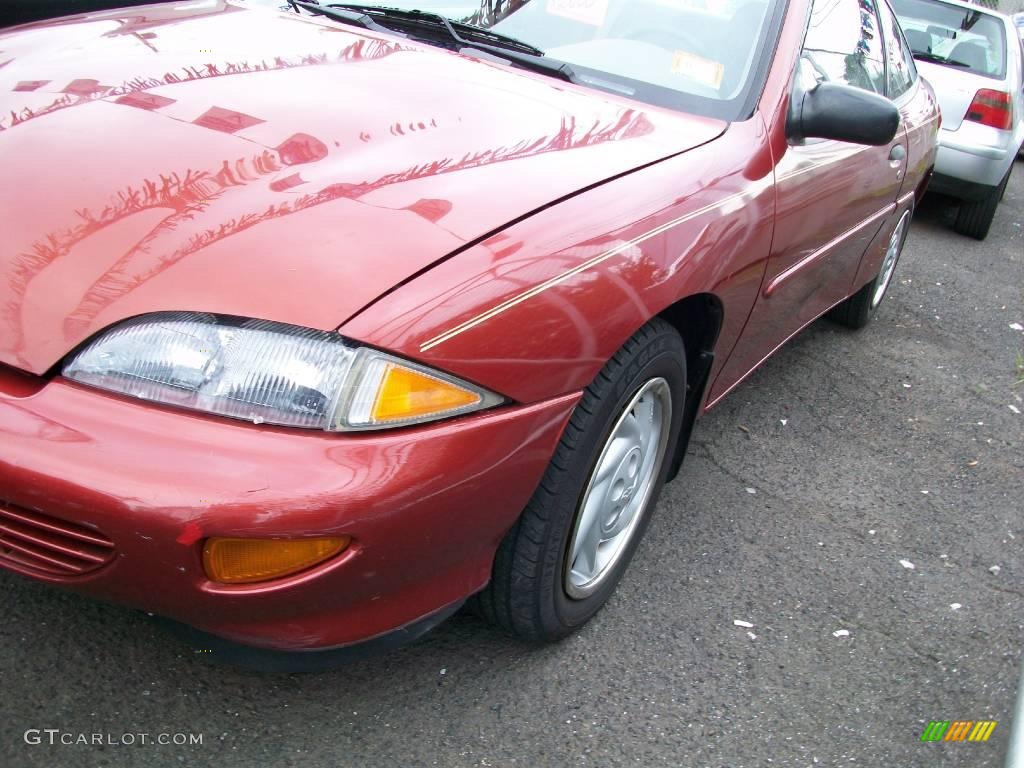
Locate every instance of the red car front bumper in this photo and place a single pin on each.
(143, 486)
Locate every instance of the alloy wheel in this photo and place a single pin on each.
(892, 255)
(619, 488)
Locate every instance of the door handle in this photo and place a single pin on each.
(896, 157)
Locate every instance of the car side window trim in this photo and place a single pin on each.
(770, 47)
(903, 48)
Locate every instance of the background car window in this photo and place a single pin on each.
(953, 36)
(899, 61)
(843, 45)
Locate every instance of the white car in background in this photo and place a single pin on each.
(972, 56)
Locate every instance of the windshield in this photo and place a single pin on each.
(702, 56)
(953, 36)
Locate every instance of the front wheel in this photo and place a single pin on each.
(570, 547)
(856, 311)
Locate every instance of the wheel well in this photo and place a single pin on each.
(698, 319)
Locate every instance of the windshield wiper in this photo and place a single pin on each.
(936, 59)
(344, 15)
(508, 48)
(454, 28)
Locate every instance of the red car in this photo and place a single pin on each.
(314, 324)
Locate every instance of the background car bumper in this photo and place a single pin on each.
(967, 191)
(426, 508)
(975, 154)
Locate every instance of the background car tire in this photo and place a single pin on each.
(528, 593)
(857, 310)
(975, 219)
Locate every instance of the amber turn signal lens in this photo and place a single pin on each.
(243, 561)
(408, 394)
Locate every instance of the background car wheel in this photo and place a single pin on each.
(857, 310)
(975, 219)
(564, 556)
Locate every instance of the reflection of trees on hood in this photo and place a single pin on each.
(364, 49)
(194, 194)
(186, 193)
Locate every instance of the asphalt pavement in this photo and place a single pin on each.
(859, 501)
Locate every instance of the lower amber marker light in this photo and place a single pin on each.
(244, 561)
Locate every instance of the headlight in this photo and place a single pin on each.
(269, 372)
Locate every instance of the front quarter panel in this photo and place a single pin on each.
(537, 309)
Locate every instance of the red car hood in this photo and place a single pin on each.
(213, 157)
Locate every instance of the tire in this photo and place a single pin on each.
(857, 311)
(529, 592)
(975, 219)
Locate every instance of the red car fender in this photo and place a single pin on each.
(537, 309)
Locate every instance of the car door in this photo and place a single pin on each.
(918, 107)
(919, 119)
(832, 197)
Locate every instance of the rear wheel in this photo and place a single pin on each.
(856, 311)
(567, 552)
(975, 219)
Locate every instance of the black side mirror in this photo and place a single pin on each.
(843, 113)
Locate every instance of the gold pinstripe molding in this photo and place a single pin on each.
(585, 266)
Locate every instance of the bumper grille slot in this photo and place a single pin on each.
(34, 542)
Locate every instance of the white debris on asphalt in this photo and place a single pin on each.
(751, 635)
(925, 492)
(955, 606)
(444, 670)
(751, 490)
(783, 422)
(994, 569)
(905, 385)
(872, 531)
(1017, 326)
(1013, 408)
(741, 623)
(907, 564)
(841, 633)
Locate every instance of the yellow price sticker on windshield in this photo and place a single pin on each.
(704, 71)
(591, 12)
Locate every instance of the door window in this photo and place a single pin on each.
(898, 59)
(843, 45)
